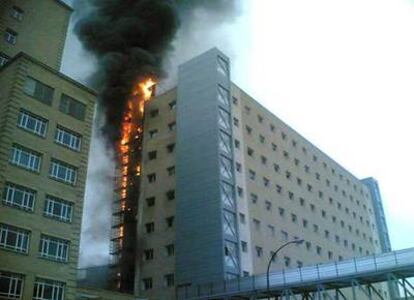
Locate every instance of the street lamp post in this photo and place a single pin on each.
(271, 259)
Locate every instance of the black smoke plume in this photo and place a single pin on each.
(129, 39)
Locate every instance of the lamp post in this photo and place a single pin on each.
(298, 242)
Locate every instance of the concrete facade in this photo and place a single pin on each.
(35, 27)
(45, 131)
(285, 188)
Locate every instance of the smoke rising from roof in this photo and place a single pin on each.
(131, 40)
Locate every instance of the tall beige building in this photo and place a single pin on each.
(225, 183)
(45, 130)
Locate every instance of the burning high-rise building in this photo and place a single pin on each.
(220, 182)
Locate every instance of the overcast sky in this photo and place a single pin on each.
(341, 73)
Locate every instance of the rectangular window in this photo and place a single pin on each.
(63, 172)
(14, 238)
(10, 36)
(171, 126)
(169, 280)
(45, 289)
(11, 285)
(152, 177)
(68, 138)
(170, 249)
(19, 196)
(170, 195)
(17, 13)
(54, 248)
(3, 59)
(172, 105)
(26, 158)
(38, 90)
(32, 123)
(149, 254)
(170, 148)
(150, 227)
(58, 209)
(147, 284)
(72, 107)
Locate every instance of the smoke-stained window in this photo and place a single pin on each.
(38, 90)
(72, 107)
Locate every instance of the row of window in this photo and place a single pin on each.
(276, 167)
(150, 227)
(12, 286)
(31, 160)
(38, 125)
(44, 94)
(169, 250)
(17, 239)
(268, 206)
(152, 177)
(155, 111)
(147, 283)
(22, 197)
(170, 195)
(294, 144)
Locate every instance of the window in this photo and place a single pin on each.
(171, 195)
(299, 181)
(59, 209)
(266, 181)
(25, 158)
(262, 139)
(288, 175)
(68, 138)
(19, 196)
(172, 105)
(170, 148)
(152, 177)
(14, 238)
(307, 168)
(263, 159)
(272, 128)
(286, 154)
(238, 167)
(315, 228)
(294, 218)
(327, 234)
(170, 249)
(302, 201)
(281, 211)
(171, 126)
(32, 123)
(278, 189)
(237, 144)
(72, 107)
(244, 246)
(45, 289)
(235, 101)
(330, 255)
(3, 59)
(11, 285)
(299, 264)
(318, 250)
(256, 224)
(10, 36)
(150, 227)
(239, 191)
(153, 133)
(274, 147)
(271, 230)
(236, 122)
(150, 201)
(170, 221)
(312, 207)
(259, 251)
(63, 172)
(147, 284)
(152, 155)
(154, 113)
(305, 223)
(38, 90)
(247, 110)
(17, 13)
(253, 198)
(148, 254)
(268, 205)
(250, 151)
(287, 261)
(54, 248)
(252, 174)
(242, 218)
(248, 129)
(171, 170)
(283, 135)
(169, 280)
(276, 167)
(291, 195)
(285, 235)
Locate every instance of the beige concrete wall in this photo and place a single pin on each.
(41, 32)
(99, 294)
(161, 264)
(31, 265)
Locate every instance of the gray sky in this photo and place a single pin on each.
(339, 72)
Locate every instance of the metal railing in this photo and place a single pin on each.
(375, 264)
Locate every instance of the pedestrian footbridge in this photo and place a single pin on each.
(322, 281)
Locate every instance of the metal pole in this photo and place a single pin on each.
(271, 259)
